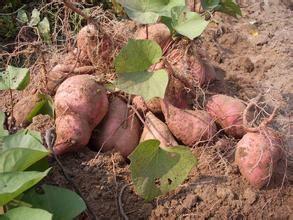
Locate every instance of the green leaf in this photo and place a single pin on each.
(35, 19)
(44, 29)
(156, 170)
(137, 56)
(22, 16)
(24, 139)
(21, 150)
(145, 84)
(44, 106)
(210, 4)
(22, 213)
(142, 17)
(148, 11)
(3, 132)
(13, 184)
(62, 203)
(14, 78)
(187, 23)
(229, 7)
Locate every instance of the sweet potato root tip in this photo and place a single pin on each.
(189, 126)
(73, 133)
(120, 129)
(154, 128)
(228, 112)
(257, 156)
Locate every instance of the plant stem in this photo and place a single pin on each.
(70, 5)
(12, 106)
(147, 31)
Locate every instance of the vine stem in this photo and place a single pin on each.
(70, 5)
(12, 106)
(147, 31)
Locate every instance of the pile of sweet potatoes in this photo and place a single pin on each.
(88, 115)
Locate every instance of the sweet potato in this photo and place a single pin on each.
(73, 133)
(154, 128)
(142, 106)
(23, 108)
(120, 129)
(60, 72)
(189, 126)
(80, 104)
(257, 155)
(227, 112)
(157, 32)
(82, 95)
(87, 41)
(196, 70)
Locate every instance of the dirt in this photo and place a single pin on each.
(254, 54)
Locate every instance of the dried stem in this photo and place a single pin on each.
(70, 5)
(50, 138)
(120, 201)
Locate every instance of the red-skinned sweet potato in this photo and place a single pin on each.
(120, 129)
(80, 104)
(189, 126)
(257, 155)
(82, 95)
(73, 133)
(154, 128)
(227, 112)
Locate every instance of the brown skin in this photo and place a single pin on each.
(152, 105)
(154, 128)
(80, 105)
(157, 32)
(23, 108)
(117, 130)
(257, 155)
(189, 126)
(77, 61)
(227, 111)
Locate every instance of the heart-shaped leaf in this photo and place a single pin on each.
(22, 213)
(229, 7)
(210, 4)
(44, 29)
(132, 64)
(62, 203)
(187, 23)
(35, 18)
(148, 11)
(13, 184)
(14, 78)
(156, 170)
(145, 84)
(22, 16)
(137, 56)
(21, 150)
